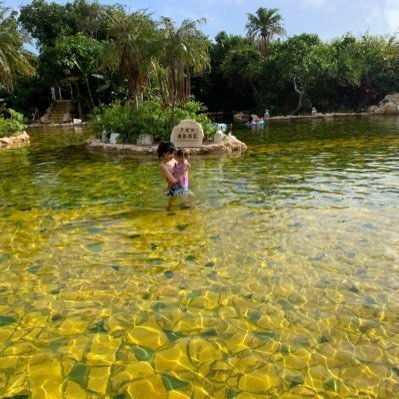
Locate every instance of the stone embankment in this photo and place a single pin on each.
(69, 124)
(14, 141)
(243, 118)
(228, 146)
(319, 115)
(388, 106)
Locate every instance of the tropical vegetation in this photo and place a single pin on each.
(264, 26)
(149, 118)
(150, 71)
(14, 59)
(13, 125)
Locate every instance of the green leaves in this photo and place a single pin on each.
(263, 26)
(149, 118)
(14, 59)
(10, 127)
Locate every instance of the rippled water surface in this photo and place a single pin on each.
(280, 281)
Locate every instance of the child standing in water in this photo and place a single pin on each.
(166, 153)
(182, 166)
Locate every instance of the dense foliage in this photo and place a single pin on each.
(301, 71)
(147, 119)
(102, 54)
(13, 125)
(14, 59)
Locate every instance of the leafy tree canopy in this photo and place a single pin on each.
(15, 60)
(48, 21)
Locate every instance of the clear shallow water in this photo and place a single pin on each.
(280, 282)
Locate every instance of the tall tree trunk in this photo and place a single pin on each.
(188, 87)
(90, 94)
(257, 96)
(173, 87)
(80, 110)
(161, 88)
(300, 100)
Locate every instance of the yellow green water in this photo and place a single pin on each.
(282, 281)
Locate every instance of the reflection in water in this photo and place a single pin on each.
(280, 282)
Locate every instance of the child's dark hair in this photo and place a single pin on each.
(165, 147)
(181, 153)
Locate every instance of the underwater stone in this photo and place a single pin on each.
(4, 257)
(173, 336)
(98, 328)
(98, 379)
(209, 301)
(139, 370)
(173, 358)
(178, 395)
(34, 269)
(168, 274)
(182, 227)
(95, 247)
(151, 387)
(147, 336)
(154, 246)
(248, 363)
(142, 353)
(260, 380)
(103, 350)
(155, 261)
(46, 378)
(203, 351)
(172, 383)
(6, 320)
(94, 230)
(323, 339)
(74, 390)
(297, 360)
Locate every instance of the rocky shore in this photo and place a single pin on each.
(228, 146)
(51, 125)
(318, 116)
(14, 141)
(387, 106)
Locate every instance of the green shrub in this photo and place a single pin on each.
(12, 126)
(149, 118)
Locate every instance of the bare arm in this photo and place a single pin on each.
(167, 175)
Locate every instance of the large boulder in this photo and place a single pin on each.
(387, 108)
(394, 98)
(389, 105)
(241, 117)
(14, 141)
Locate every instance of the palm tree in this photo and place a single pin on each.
(264, 26)
(184, 53)
(14, 59)
(132, 50)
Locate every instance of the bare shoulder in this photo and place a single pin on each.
(163, 168)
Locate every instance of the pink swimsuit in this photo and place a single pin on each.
(180, 173)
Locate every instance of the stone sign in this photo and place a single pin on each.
(113, 138)
(145, 139)
(187, 133)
